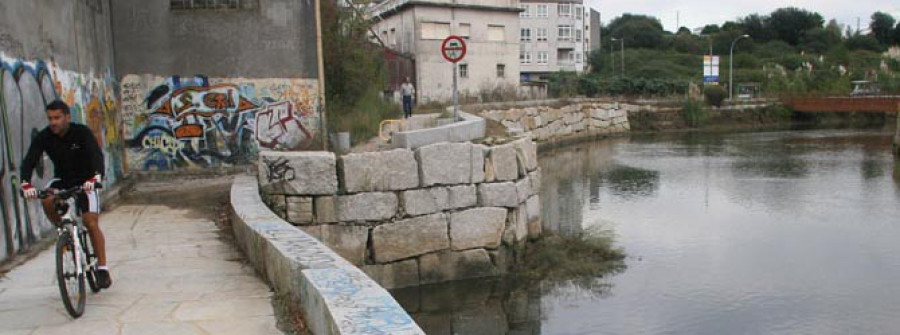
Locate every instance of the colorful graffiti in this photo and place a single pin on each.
(25, 88)
(197, 122)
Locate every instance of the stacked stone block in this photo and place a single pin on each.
(441, 212)
(549, 123)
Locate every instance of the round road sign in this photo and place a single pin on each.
(453, 48)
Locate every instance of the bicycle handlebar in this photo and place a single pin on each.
(61, 194)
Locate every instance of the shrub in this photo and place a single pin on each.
(715, 95)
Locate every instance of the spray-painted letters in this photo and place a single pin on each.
(201, 122)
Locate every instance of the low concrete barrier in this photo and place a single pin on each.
(470, 128)
(335, 297)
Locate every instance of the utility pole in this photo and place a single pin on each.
(731, 67)
(612, 56)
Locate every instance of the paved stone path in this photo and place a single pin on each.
(172, 274)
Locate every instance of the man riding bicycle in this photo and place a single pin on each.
(77, 160)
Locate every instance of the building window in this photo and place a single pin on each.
(565, 33)
(496, 33)
(526, 35)
(526, 11)
(541, 34)
(501, 70)
(435, 31)
(524, 57)
(541, 11)
(578, 58)
(213, 4)
(578, 34)
(464, 70)
(578, 13)
(542, 57)
(465, 30)
(565, 9)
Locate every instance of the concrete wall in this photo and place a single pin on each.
(334, 296)
(443, 212)
(470, 128)
(52, 50)
(276, 39)
(210, 88)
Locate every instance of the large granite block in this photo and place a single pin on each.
(445, 164)
(391, 170)
(366, 207)
(408, 238)
(477, 228)
(298, 173)
(498, 195)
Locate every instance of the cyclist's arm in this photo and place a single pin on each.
(95, 155)
(31, 158)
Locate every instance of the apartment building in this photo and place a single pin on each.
(556, 36)
(417, 28)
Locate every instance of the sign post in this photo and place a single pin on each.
(454, 49)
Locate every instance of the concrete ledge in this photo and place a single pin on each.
(470, 128)
(335, 297)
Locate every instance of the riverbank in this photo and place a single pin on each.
(559, 123)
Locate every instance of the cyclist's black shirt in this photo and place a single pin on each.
(76, 156)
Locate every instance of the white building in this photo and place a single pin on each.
(417, 28)
(555, 36)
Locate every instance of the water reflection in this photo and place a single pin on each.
(492, 306)
(485, 306)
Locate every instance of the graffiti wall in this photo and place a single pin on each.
(25, 88)
(173, 123)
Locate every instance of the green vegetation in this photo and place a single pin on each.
(694, 113)
(565, 258)
(790, 51)
(354, 79)
(715, 95)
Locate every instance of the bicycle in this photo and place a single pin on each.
(74, 265)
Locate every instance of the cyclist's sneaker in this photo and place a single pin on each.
(103, 279)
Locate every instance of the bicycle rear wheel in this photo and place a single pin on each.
(71, 284)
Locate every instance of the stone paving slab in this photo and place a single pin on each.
(172, 274)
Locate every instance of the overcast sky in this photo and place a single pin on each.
(697, 13)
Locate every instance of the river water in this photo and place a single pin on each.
(752, 233)
(787, 232)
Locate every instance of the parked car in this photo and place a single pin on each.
(864, 88)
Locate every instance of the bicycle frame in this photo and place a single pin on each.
(71, 224)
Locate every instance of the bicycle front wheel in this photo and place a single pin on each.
(71, 283)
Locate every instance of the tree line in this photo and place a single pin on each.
(789, 51)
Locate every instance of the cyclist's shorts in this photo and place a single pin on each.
(88, 202)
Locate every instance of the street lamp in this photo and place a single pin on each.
(622, 41)
(731, 66)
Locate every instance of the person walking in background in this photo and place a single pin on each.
(407, 90)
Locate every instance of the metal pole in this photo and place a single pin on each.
(320, 63)
(731, 67)
(455, 96)
(623, 56)
(612, 57)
